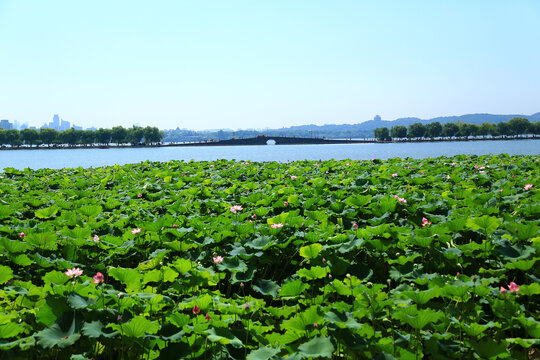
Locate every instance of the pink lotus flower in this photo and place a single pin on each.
(513, 287)
(528, 186)
(196, 310)
(355, 225)
(276, 226)
(207, 317)
(400, 200)
(246, 306)
(139, 195)
(502, 290)
(315, 325)
(96, 238)
(22, 234)
(74, 272)
(136, 231)
(254, 216)
(235, 208)
(98, 278)
(394, 174)
(293, 177)
(218, 259)
(285, 203)
(175, 226)
(425, 222)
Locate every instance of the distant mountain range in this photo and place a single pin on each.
(361, 130)
(371, 125)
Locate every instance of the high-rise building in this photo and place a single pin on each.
(6, 125)
(56, 122)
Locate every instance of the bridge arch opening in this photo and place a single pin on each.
(271, 142)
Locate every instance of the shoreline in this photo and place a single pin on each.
(257, 141)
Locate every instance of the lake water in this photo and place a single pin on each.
(61, 158)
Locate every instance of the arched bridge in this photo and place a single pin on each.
(270, 140)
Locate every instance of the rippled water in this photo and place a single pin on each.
(60, 158)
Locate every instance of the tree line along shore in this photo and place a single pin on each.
(513, 128)
(516, 128)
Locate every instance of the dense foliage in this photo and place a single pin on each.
(408, 259)
(47, 136)
(513, 128)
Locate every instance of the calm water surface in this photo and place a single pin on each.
(61, 158)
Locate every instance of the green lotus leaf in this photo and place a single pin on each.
(475, 330)
(65, 332)
(13, 247)
(183, 265)
(46, 241)
(532, 289)
(245, 276)
(420, 319)
(310, 251)
(505, 309)
(232, 264)
(137, 327)
(525, 231)
(6, 212)
(531, 325)
(94, 330)
(488, 349)
(523, 265)
(263, 353)
(293, 288)
(90, 211)
(487, 224)
(6, 274)
(358, 201)
(315, 272)
(129, 277)
(524, 343)
(422, 297)
(22, 260)
(178, 319)
(223, 336)
(344, 320)
(266, 287)
(47, 212)
(260, 242)
(318, 347)
(514, 252)
(77, 302)
(10, 329)
(303, 320)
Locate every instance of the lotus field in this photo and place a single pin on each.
(398, 259)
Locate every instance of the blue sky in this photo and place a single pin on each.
(257, 64)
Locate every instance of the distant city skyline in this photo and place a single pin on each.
(243, 64)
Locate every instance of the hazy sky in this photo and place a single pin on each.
(256, 64)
